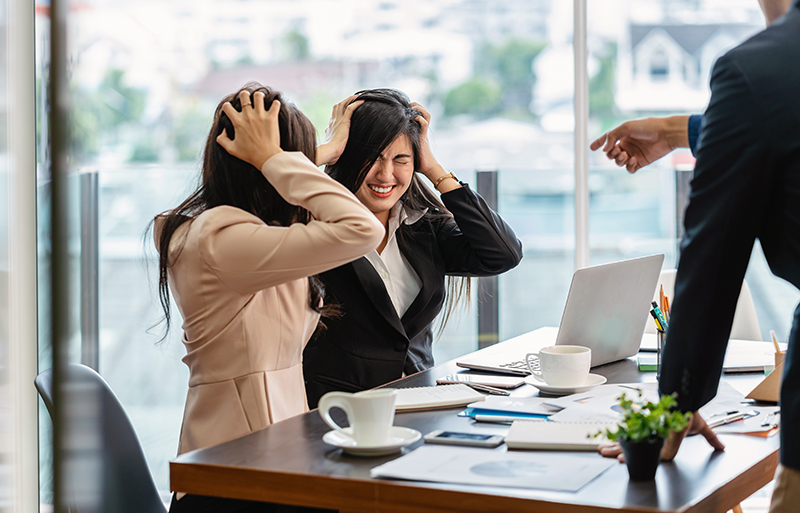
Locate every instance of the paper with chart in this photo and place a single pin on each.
(475, 466)
(600, 404)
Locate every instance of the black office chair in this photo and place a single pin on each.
(126, 484)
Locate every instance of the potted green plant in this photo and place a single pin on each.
(642, 431)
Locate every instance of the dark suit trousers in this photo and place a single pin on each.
(790, 399)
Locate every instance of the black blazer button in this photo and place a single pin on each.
(400, 346)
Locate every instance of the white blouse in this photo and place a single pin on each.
(401, 281)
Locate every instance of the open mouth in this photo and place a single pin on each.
(382, 191)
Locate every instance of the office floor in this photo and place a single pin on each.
(759, 501)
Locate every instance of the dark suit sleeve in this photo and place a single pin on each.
(476, 241)
(693, 131)
(728, 196)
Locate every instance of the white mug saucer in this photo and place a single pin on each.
(592, 380)
(399, 437)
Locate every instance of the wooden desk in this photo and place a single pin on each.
(288, 463)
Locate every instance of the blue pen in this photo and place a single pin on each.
(660, 316)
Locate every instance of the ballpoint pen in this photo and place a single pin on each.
(728, 419)
(731, 412)
(488, 389)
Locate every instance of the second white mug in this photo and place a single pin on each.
(562, 366)
(370, 414)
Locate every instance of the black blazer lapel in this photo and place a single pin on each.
(376, 290)
(417, 248)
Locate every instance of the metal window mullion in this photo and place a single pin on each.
(90, 271)
(581, 100)
(488, 300)
(22, 300)
(59, 260)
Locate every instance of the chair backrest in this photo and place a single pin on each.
(124, 483)
(745, 321)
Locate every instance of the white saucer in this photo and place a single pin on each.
(399, 437)
(592, 380)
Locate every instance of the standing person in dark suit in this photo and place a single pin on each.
(390, 298)
(746, 186)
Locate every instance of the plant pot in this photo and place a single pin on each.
(642, 458)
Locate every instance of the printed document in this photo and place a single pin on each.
(476, 466)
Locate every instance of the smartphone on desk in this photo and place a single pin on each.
(441, 436)
(507, 382)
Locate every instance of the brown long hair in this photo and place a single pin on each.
(227, 180)
(385, 115)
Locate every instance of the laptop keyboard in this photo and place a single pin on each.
(521, 365)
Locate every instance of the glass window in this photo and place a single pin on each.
(498, 78)
(635, 215)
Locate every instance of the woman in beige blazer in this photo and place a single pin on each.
(242, 254)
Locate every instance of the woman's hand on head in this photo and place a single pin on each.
(256, 136)
(428, 165)
(338, 131)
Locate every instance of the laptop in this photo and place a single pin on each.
(606, 310)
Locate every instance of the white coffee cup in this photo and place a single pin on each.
(370, 413)
(562, 366)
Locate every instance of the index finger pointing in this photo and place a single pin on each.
(611, 141)
(598, 142)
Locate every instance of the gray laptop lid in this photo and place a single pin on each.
(608, 306)
(606, 310)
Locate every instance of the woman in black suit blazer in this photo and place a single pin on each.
(379, 335)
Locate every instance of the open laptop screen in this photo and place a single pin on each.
(606, 310)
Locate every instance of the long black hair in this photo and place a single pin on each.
(385, 115)
(227, 180)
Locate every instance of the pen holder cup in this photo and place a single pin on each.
(660, 336)
(779, 356)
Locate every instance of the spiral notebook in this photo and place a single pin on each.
(432, 398)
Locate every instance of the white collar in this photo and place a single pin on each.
(401, 214)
